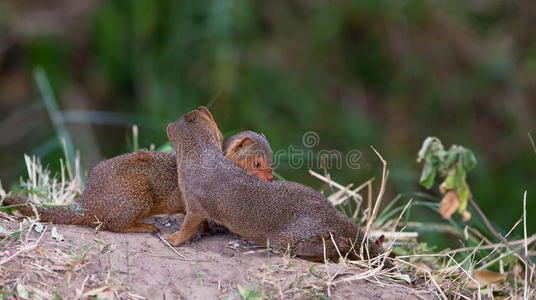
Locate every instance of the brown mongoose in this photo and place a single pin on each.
(282, 214)
(251, 152)
(123, 190)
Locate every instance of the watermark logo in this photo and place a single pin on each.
(309, 156)
(310, 139)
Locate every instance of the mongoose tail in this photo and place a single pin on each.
(58, 215)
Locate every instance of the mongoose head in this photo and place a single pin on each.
(197, 125)
(250, 151)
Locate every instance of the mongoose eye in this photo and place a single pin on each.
(256, 164)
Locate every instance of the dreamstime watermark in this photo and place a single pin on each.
(312, 158)
(253, 159)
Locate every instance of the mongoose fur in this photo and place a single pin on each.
(287, 215)
(123, 190)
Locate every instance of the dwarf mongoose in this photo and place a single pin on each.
(286, 215)
(123, 190)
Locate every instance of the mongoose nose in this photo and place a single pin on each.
(270, 178)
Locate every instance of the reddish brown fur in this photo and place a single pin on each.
(254, 160)
(128, 188)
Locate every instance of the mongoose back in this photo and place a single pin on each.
(123, 190)
(285, 214)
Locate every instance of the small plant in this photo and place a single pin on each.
(451, 166)
(248, 294)
(3, 194)
(200, 273)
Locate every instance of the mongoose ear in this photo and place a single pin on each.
(236, 145)
(206, 112)
(168, 131)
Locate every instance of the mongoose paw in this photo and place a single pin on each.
(151, 228)
(141, 227)
(171, 240)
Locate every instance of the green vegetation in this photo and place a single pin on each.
(358, 73)
(452, 165)
(486, 257)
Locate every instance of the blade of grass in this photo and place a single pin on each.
(135, 138)
(527, 263)
(107, 118)
(214, 98)
(380, 193)
(165, 147)
(277, 176)
(51, 105)
(522, 257)
(387, 210)
(532, 143)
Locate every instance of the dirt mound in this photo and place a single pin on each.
(136, 266)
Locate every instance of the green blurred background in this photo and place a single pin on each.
(359, 73)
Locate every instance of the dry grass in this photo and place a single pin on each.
(41, 187)
(450, 274)
(42, 262)
(35, 264)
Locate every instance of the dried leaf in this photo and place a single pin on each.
(56, 235)
(68, 276)
(2, 192)
(443, 187)
(3, 231)
(40, 250)
(466, 216)
(38, 227)
(404, 277)
(485, 277)
(449, 270)
(22, 291)
(449, 204)
(101, 291)
(422, 268)
(105, 295)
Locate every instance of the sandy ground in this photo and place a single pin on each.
(130, 266)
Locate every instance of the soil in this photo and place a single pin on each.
(110, 265)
